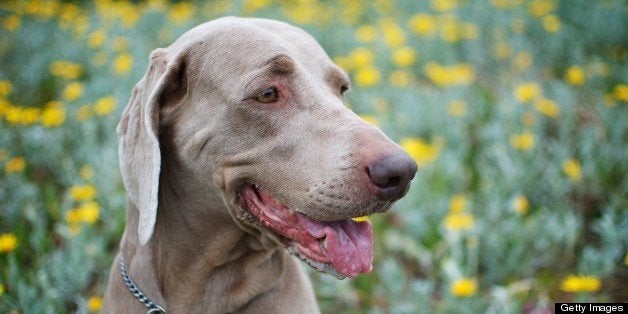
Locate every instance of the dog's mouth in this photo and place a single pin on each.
(343, 248)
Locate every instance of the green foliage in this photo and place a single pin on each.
(514, 110)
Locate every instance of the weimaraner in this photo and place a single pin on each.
(237, 154)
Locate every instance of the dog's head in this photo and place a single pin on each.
(254, 109)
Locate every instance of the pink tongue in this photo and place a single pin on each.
(349, 243)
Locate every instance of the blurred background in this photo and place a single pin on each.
(515, 110)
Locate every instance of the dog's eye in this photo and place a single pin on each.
(270, 95)
(343, 89)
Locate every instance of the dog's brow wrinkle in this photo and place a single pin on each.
(280, 63)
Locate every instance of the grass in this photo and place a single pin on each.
(515, 111)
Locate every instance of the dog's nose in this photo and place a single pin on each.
(391, 175)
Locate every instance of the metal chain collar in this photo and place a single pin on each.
(137, 293)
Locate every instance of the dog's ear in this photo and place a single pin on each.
(138, 133)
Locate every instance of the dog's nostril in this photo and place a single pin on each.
(392, 182)
(391, 175)
(382, 179)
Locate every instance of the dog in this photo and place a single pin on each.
(239, 158)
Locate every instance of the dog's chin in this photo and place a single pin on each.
(342, 248)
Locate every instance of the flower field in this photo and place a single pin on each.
(515, 110)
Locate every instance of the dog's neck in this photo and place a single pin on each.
(196, 240)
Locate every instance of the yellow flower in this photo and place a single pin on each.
(4, 107)
(393, 34)
(457, 204)
(551, 23)
(463, 73)
(366, 33)
(459, 221)
(457, 74)
(422, 151)
(400, 78)
(547, 107)
(105, 105)
(1, 289)
(157, 5)
(360, 57)
(620, 92)
(403, 56)
(99, 58)
(518, 26)
(250, 6)
(66, 69)
(361, 218)
(181, 12)
(120, 44)
(127, 12)
(423, 24)
(41, 9)
(470, 31)
(370, 119)
(8, 242)
(527, 92)
(123, 63)
(12, 23)
(450, 28)
(464, 287)
(12, 114)
(80, 25)
(343, 62)
(69, 14)
(84, 112)
(443, 5)
(5, 88)
(577, 283)
(86, 172)
(523, 141)
(94, 304)
(72, 216)
(73, 91)
(87, 213)
(572, 169)
(306, 11)
(538, 8)
(53, 115)
(15, 164)
(29, 116)
(21, 116)
(608, 98)
(381, 106)
(600, 68)
(521, 204)
(83, 192)
(575, 75)
(522, 61)
(457, 108)
(97, 38)
(352, 11)
(367, 76)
